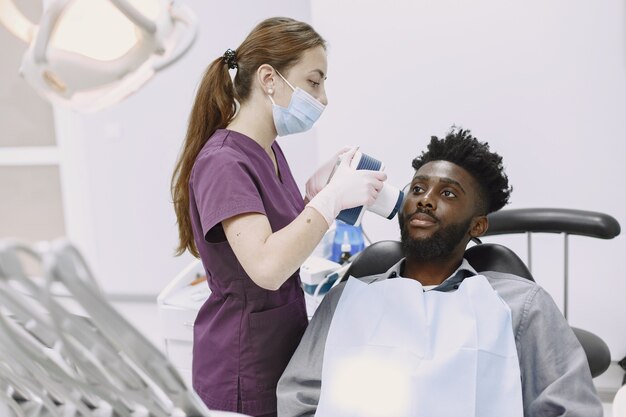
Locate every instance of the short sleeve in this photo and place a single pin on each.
(224, 186)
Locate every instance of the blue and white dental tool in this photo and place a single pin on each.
(389, 199)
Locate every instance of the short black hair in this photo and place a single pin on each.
(464, 150)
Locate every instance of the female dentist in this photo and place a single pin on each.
(240, 210)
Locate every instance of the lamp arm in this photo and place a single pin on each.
(48, 22)
(15, 21)
(186, 17)
(135, 16)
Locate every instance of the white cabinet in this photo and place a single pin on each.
(179, 303)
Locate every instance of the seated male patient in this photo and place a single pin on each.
(432, 337)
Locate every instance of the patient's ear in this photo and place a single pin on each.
(480, 224)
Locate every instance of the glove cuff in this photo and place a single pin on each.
(324, 204)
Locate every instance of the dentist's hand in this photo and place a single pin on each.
(347, 188)
(320, 178)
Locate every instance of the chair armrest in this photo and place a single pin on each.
(597, 351)
(553, 220)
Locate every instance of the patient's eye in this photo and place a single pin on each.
(417, 189)
(448, 193)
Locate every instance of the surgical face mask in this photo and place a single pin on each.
(302, 112)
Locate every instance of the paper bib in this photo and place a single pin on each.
(394, 350)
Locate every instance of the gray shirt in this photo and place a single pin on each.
(556, 380)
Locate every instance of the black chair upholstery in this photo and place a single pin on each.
(375, 259)
(380, 256)
(553, 220)
(494, 257)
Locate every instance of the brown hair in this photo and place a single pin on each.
(279, 42)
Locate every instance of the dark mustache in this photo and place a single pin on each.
(424, 211)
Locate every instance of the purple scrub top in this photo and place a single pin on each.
(244, 335)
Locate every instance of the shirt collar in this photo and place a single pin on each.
(451, 283)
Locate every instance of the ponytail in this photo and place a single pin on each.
(213, 109)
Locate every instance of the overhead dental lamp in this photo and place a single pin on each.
(90, 54)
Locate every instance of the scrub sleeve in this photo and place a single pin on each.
(244, 335)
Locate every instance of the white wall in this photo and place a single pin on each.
(543, 82)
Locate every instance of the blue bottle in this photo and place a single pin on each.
(345, 233)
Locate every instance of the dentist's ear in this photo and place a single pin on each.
(265, 75)
(480, 224)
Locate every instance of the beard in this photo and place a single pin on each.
(438, 246)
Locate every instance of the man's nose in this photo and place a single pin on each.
(426, 200)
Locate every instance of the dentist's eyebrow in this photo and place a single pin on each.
(445, 180)
(320, 72)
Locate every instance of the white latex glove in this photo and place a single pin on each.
(347, 188)
(320, 178)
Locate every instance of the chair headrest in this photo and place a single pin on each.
(494, 257)
(375, 259)
(380, 256)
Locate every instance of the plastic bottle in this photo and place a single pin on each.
(346, 248)
(355, 239)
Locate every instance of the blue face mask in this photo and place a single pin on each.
(302, 112)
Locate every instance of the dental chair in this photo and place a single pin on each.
(380, 256)
(56, 363)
